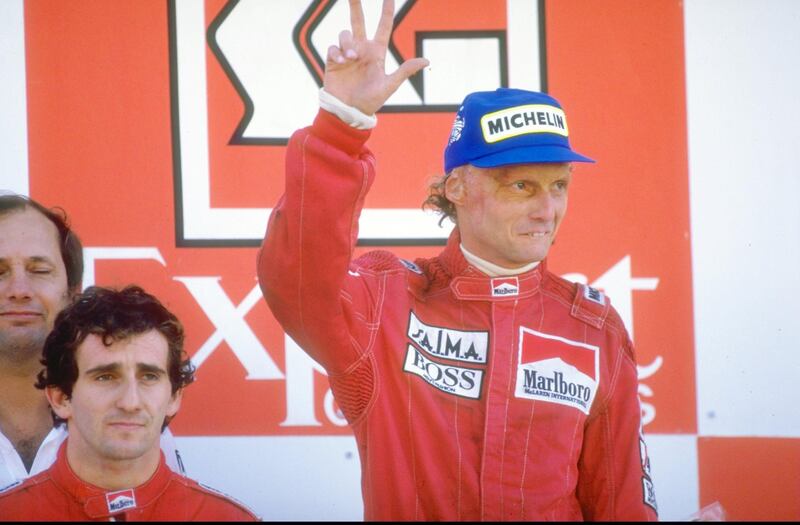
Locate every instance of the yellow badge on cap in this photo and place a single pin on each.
(521, 120)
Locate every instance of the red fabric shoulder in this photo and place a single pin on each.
(216, 505)
(588, 304)
(378, 261)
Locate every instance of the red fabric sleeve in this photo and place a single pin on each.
(304, 259)
(614, 482)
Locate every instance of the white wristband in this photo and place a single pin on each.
(350, 115)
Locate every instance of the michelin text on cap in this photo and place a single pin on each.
(521, 120)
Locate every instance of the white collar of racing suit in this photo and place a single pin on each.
(493, 270)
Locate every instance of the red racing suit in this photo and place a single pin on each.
(471, 398)
(57, 494)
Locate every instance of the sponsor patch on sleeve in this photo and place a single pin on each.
(644, 457)
(411, 266)
(649, 493)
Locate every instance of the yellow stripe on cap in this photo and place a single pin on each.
(522, 120)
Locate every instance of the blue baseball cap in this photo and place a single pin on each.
(509, 126)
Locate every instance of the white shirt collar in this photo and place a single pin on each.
(11, 467)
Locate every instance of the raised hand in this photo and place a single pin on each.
(355, 69)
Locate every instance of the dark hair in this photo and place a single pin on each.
(69, 243)
(438, 202)
(112, 315)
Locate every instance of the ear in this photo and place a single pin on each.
(455, 187)
(59, 402)
(174, 403)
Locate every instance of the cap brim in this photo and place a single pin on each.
(529, 155)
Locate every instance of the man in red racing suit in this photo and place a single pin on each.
(114, 373)
(57, 494)
(471, 396)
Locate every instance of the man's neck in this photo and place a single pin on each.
(25, 417)
(494, 270)
(111, 474)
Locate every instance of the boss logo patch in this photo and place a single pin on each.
(556, 370)
(451, 379)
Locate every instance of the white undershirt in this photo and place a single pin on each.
(12, 469)
(352, 116)
(491, 269)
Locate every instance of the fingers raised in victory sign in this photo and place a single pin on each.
(384, 31)
(357, 19)
(355, 69)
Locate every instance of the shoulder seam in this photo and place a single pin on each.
(211, 491)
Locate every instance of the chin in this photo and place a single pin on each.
(540, 253)
(124, 452)
(532, 254)
(25, 339)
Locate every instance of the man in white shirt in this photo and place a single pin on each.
(41, 267)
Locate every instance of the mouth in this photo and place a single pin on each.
(536, 235)
(126, 425)
(23, 315)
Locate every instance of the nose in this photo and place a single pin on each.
(542, 207)
(129, 398)
(17, 285)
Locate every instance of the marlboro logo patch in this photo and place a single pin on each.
(556, 370)
(505, 287)
(121, 500)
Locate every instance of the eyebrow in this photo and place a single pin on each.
(35, 258)
(41, 258)
(143, 367)
(111, 367)
(114, 367)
